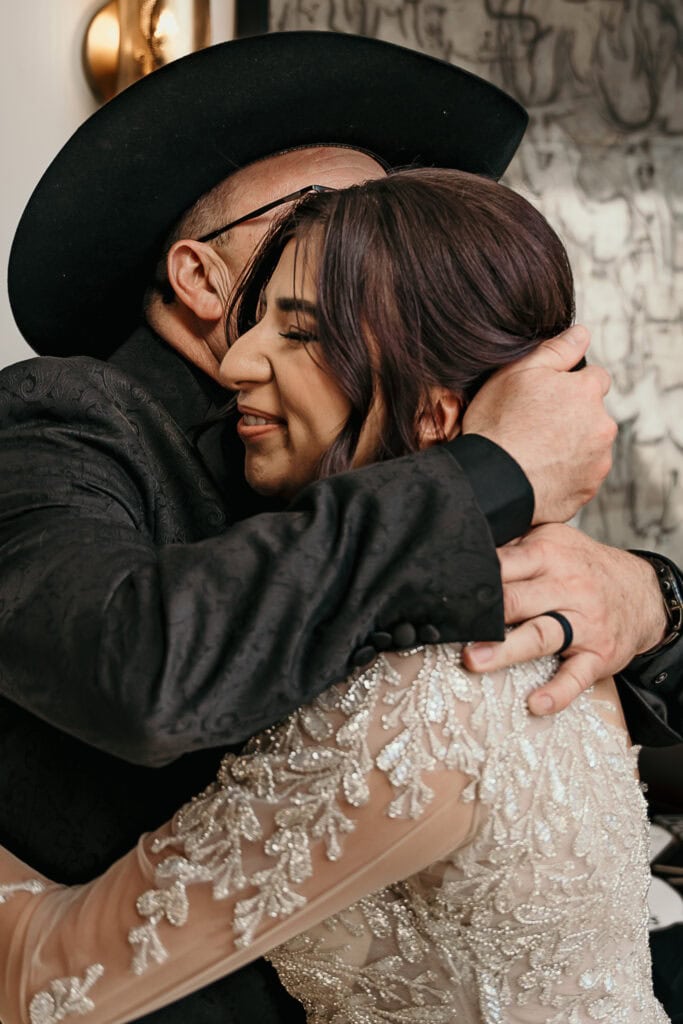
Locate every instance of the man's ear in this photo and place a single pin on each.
(440, 420)
(199, 277)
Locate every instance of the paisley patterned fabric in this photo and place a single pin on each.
(317, 843)
(112, 516)
(119, 535)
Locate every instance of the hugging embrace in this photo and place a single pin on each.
(400, 836)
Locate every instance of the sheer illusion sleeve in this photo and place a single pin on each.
(369, 784)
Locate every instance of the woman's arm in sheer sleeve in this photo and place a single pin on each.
(359, 789)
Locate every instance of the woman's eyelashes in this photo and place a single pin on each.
(298, 334)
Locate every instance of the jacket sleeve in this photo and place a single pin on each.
(150, 648)
(651, 686)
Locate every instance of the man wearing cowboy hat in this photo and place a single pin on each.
(142, 625)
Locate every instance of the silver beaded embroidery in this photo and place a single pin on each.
(542, 916)
(65, 996)
(33, 886)
(305, 764)
(543, 912)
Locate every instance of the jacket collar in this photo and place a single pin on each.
(188, 395)
(191, 398)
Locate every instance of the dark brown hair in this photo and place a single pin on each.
(425, 278)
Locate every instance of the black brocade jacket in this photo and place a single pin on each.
(147, 623)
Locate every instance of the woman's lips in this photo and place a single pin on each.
(252, 425)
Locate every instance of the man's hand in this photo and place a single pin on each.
(553, 423)
(611, 598)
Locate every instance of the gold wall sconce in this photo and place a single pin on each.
(126, 39)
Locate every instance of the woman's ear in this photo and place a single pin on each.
(440, 419)
(199, 277)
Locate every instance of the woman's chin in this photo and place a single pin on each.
(269, 487)
(284, 482)
(264, 490)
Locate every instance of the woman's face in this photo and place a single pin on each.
(291, 407)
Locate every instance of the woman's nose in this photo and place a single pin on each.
(245, 362)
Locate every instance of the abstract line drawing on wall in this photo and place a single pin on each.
(603, 159)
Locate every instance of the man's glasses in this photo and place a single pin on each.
(253, 214)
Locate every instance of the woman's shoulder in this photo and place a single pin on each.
(481, 723)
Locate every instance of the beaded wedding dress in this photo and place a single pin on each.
(412, 848)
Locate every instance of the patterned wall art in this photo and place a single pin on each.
(603, 160)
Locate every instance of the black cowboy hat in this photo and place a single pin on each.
(87, 243)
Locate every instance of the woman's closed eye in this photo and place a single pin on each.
(298, 334)
(304, 311)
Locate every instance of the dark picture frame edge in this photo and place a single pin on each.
(251, 18)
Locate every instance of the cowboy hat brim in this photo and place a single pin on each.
(88, 241)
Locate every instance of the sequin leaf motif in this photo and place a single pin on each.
(433, 735)
(157, 905)
(66, 996)
(409, 980)
(312, 769)
(33, 886)
(543, 908)
(541, 915)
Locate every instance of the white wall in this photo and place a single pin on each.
(43, 99)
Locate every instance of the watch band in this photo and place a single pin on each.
(672, 595)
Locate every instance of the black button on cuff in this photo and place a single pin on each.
(404, 635)
(401, 636)
(486, 595)
(381, 640)
(363, 656)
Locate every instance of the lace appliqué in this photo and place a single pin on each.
(543, 913)
(402, 983)
(157, 905)
(313, 767)
(66, 996)
(33, 886)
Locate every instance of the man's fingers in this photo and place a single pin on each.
(574, 676)
(534, 597)
(602, 379)
(535, 555)
(520, 561)
(532, 639)
(560, 353)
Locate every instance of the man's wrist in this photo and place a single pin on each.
(499, 484)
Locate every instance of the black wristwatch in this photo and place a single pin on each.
(672, 596)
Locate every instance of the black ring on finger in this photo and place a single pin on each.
(566, 629)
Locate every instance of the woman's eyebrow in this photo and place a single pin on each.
(292, 304)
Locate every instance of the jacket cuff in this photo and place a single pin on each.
(500, 486)
(658, 673)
